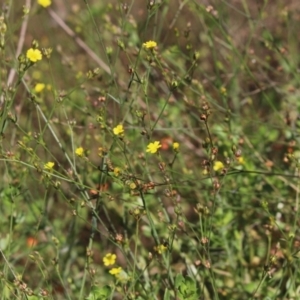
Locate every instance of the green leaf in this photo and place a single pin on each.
(178, 280)
(33, 297)
(191, 284)
(167, 295)
(98, 293)
(186, 287)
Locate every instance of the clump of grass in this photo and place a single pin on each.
(149, 151)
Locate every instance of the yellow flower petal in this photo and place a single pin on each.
(44, 3)
(49, 166)
(150, 45)
(34, 54)
(153, 147)
(39, 87)
(218, 165)
(118, 130)
(109, 259)
(175, 146)
(79, 151)
(115, 271)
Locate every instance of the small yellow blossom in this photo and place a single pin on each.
(132, 186)
(175, 146)
(79, 151)
(118, 130)
(150, 45)
(49, 166)
(153, 147)
(218, 165)
(34, 54)
(160, 248)
(117, 171)
(241, 160)
(109, 259)
(44, 3)
(223, 90)
(115, 271)
(39, 87)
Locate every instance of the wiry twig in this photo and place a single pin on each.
(8, 264)
(79, 41)
(12, 72)
(21, 40)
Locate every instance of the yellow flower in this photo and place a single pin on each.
(175, 146)
(223, 90)
(150, 45)
(241, 160)
(44, 3)
(218, 165)
(79, 151)
(161, 248)
(39, 87)
(153, 147)
(118, 129)
(132, 186)
(109, 259)
(49, 166)
(34, 54)
(117, 171)
(115, 271)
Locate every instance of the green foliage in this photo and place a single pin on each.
(100, 293)
(187, 288)
(142, 141)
